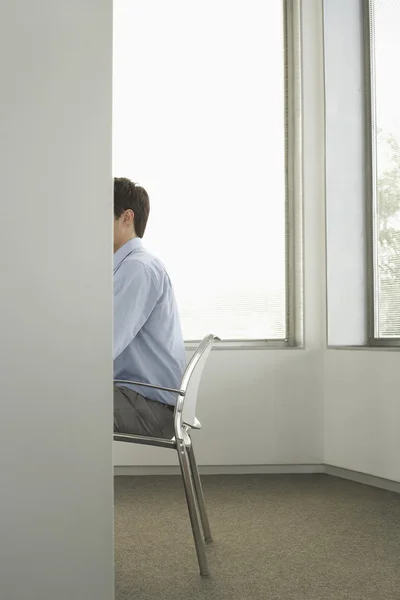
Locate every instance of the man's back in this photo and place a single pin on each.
(148, 341)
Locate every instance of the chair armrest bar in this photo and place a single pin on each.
(145, 441)
(151, 385)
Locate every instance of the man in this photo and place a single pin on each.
(148, 342)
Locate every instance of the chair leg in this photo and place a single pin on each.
(191, 502)
(199, 495)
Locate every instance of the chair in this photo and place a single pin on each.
(185, 420)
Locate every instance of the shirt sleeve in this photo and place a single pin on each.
(135, 295)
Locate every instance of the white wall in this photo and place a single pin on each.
(315, 405)
(361, 387)
(257, 407)
(55, 302)
(345, 173)
(362, 411)
(263, 407)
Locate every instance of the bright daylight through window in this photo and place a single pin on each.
(385, 44)
(199, 121)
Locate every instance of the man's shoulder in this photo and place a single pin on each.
(143, 261)
(144, 257)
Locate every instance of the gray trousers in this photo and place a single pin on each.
(135, 414)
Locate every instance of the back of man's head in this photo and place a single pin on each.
(130, 196)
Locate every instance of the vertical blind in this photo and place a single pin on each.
(385, 28)
(199, 121)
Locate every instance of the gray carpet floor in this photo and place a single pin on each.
(305, 537)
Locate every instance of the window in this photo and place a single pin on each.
(384, 46)
(199, 121)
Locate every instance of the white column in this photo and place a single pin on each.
(55, 300)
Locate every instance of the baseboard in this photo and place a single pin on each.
(222, 470)
(378, 482)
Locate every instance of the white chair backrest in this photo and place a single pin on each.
(191, 379)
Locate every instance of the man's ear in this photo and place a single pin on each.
(129, 217)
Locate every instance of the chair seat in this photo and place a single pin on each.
(152, 441)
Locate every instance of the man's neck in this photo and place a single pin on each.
(118, 246)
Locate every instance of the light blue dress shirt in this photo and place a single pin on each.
(148, 341)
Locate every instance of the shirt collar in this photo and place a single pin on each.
(126, 249)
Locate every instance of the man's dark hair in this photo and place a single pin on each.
(130, 196)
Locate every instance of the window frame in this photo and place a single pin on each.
(293, 131)
(371, 182)
(293, 201)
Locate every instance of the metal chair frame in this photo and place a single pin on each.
(184, 421)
